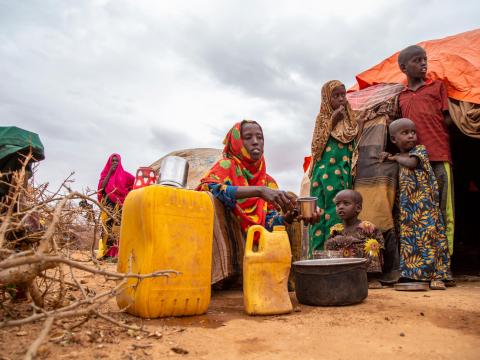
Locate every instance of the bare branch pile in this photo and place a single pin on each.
(38, 270)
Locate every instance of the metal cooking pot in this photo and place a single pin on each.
(173, 172)
(330, 282)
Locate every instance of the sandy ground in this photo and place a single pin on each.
(388, 325)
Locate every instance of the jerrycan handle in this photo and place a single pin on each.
(255, 240)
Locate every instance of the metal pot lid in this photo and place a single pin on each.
(331, 262)
(412, 286)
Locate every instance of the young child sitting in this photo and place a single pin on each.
(354, 237)
(425, 102)
(423, 244)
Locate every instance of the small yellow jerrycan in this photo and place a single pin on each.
(166, 228)
(266, 266)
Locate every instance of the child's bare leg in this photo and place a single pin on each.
(391, 256)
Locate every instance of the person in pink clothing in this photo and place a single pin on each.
(113, 187)
(115, 183)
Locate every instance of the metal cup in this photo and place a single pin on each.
(307, 206)
(173, 172)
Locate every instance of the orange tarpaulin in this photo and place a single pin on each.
(454, 59)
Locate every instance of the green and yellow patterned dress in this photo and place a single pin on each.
(331, 174)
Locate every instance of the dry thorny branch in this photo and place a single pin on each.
(38, 231)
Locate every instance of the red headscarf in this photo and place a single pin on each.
(239, 169)
(119, 184)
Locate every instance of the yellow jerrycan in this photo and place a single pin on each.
(266, 266)
(166, 228)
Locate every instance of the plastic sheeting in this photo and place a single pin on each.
(16, 140)
(372, 96)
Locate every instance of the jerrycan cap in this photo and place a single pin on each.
(279, 228)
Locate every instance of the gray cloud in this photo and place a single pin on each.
(165, 139)
(146, 78)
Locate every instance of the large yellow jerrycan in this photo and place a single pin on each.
(266, 266)
(166, 228)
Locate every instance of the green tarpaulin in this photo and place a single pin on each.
(15, 143)
(16, 140)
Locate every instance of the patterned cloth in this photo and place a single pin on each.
(228, 243)
(365, 241)
(376, 181)
(108, 242)
(237, 168)
(423, 243)
(330, 175)
(227, 196)
(345, 130)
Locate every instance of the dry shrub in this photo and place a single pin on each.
(39, 231)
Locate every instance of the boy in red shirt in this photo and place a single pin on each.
(425, 102)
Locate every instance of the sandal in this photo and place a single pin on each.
(374, 284)
(437, 285)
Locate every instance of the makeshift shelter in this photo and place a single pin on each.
(456, 61)
(15, 145)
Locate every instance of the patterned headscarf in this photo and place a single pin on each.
(119, 184)
(237, 168)
(345, 130)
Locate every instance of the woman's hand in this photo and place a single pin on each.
(113, 167)
(290, 215)
(315, 218)
(338, 115)
(280, 199)
(105, 181)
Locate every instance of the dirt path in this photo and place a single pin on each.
(388, 325)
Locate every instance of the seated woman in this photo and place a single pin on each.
(356, 238)
(114, 185)
(240, 182)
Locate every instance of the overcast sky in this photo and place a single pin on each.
(143, 78)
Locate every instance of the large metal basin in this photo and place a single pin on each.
(330, 282)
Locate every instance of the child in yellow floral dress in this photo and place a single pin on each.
(356, 238)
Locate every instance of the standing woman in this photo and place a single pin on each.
(114, 185)
(332, 148)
